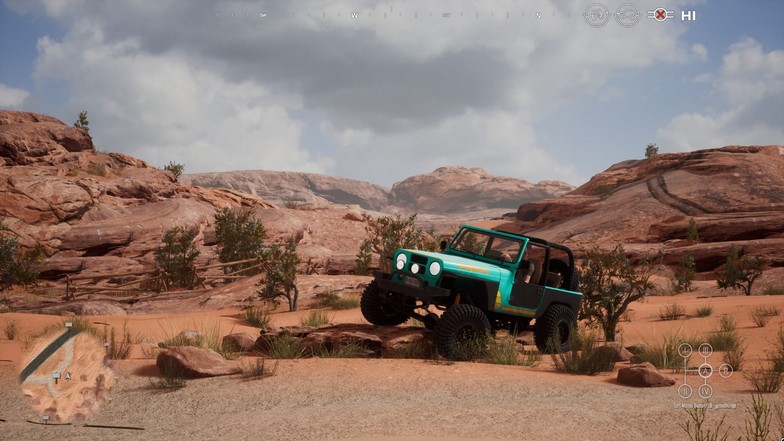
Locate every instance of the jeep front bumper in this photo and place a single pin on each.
(414, 287)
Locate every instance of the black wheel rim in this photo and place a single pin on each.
(563, 333)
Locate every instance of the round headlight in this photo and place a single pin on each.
(400, 264)
(401, 258)
(414, 268)
(435, 268)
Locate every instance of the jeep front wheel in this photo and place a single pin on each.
(376, 310)
(553, 330)
(462, 332)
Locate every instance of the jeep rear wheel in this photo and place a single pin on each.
(553, 330)
(376, 310)
(462, 332)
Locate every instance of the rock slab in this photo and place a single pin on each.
(194, 362)
(643, 375)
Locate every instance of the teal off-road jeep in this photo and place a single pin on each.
(483, 281)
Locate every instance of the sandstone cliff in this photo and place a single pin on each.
(735, 195)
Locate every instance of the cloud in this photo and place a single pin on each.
(11, 97)
(164, 108)
(751, 83)
(395, 94)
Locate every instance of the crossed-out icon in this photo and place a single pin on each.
(704, 370)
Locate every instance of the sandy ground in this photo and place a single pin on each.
(394, 400)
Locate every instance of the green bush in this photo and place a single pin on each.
(175, 169)
(704, 311)
(118, 350)
(285, 348)
(684, 274)
(672, 312)
(257, 316)
(240, 236)
(348, 350)
(764, 381)
(726, 338)
(82, 122)
(651, 150)
(694, 426)
(507, 351)
(315, 318)
(332, 300)
(762, 314)
(583, 358)
(17, 267)
(280, 278)
(259, 369)
(385, 235)
(610, 283)
(740, 272)
(175, 258)
(774, 290)
(664, 353)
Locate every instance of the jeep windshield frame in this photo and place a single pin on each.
(492, 246)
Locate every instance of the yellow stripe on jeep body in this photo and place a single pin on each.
(473, 269)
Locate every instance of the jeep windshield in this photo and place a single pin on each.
(488, 245)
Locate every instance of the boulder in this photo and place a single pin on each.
(643, 375)
(614, 348)
(90, 307)
(239, 342)
(194, 362)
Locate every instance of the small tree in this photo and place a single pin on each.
(740, 272)
(364, 259)
(82, 122)
(240, 236)
(175, 258)
(175, 169)
(610, 283)
(651, 150)
(388, 233)
(17, 267)
(280, 278)
(684, 274)
(692, 234)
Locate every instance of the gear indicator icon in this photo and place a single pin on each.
(596, 15)
(704, 371)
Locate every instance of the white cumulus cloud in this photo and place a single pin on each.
(11, 97)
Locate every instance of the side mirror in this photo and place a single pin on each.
(443, 245)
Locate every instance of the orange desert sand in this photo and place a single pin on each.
(395, 400)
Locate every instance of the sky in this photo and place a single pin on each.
(380, 91)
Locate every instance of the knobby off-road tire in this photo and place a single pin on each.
(461, 329)
(553, 330)
(376, 310)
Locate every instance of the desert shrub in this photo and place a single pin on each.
(703, 311)
(364, 259)
(118, 350)
(172, 377)
(82, 122)
(290, 202)
(257, 316)
(507, 351)
(773, 290)
(240, 236)
(694, 426)
(17, 267)
(583, 357)
(387, 233)
(280, 278)
(315, 318)
(762, 314)
(664, 354)
(610, 283)
(727, 323)
(726, 338)
(11, 329)
(740, 272)
(764, 381)
(175, 258)
(672, 312)
(175, 169)
(96, 169)
(348, 350)
(332, 300)
(259, 369)
(684, 274)
(692, 233)
(414, 350)
(757, 426)
(651, 150)
(604, 191)
(734, 356)
(285, 348)
(776, 356)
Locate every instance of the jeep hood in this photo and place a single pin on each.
(461, 264)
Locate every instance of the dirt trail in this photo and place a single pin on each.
(657, 186)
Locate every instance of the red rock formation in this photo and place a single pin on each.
(734, 194)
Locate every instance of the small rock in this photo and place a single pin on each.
(643, 375)
(195, 362)
(353, 215)
(620, 353)
(239, 342)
